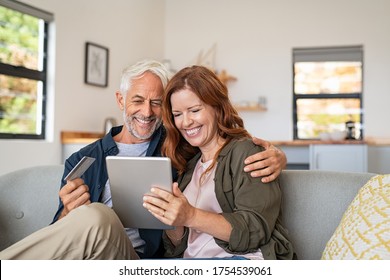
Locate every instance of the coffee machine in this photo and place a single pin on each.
(351, 130)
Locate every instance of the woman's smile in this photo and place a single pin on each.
(192, 131)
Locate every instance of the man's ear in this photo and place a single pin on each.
(120, 100)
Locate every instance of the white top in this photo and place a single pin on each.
(202, 195)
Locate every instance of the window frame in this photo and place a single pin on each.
(23, 72)
(326, 54)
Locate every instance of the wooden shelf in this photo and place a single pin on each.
(225, 77)
(257, 108)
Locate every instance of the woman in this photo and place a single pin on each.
(219, 210)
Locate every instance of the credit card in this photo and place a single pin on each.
(80, 168)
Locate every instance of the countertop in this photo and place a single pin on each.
(79, 137)
(311, 142)
(370, 141)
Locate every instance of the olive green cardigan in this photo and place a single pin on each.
(250, 206)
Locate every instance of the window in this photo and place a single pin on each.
(327, 91)
(23, 66)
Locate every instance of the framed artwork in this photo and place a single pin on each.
(96, 65)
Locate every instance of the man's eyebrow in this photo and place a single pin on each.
(137, 96)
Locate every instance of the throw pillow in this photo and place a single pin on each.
(364, 231)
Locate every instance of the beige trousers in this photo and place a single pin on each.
(89, 232)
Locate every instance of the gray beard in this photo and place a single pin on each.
(132, 129)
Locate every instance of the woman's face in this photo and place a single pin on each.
(195, 120)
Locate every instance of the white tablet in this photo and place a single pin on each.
(130, 179)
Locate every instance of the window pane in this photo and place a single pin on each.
(20, 105)
(326, 115)
(20, 40)
(327, 77)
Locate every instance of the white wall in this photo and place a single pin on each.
(254, 40)
(254, 43)
(131, 30)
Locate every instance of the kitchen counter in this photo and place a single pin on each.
(68, 137)
(375, 141)
(298, 152)
(370, 141)
(73, 141)
(78, 137)
(317, 142)
(372, 154)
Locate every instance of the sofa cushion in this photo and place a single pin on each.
(364, 231)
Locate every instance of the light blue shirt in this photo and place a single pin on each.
(129, 150)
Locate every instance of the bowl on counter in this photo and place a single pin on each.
(324, 136)
(338, 135)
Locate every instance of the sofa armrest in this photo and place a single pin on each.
(28, 201)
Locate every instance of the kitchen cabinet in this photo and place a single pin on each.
(69, 149)
(370, 155)
(379, 159)
(347, 158)
(345, 155)
(73, 141)
(298, 157)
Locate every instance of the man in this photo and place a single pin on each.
(82, 229)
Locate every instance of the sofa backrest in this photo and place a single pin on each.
(28, 201)
(313, 204)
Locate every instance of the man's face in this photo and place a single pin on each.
(142, 107)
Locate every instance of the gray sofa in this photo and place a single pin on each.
(313, 204)
(28, 201)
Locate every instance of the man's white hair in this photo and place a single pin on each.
(137, 70)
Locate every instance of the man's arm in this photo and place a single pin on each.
(267, 164)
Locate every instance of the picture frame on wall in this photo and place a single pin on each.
(96, 64)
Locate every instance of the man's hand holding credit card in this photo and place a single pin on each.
(80, 168)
